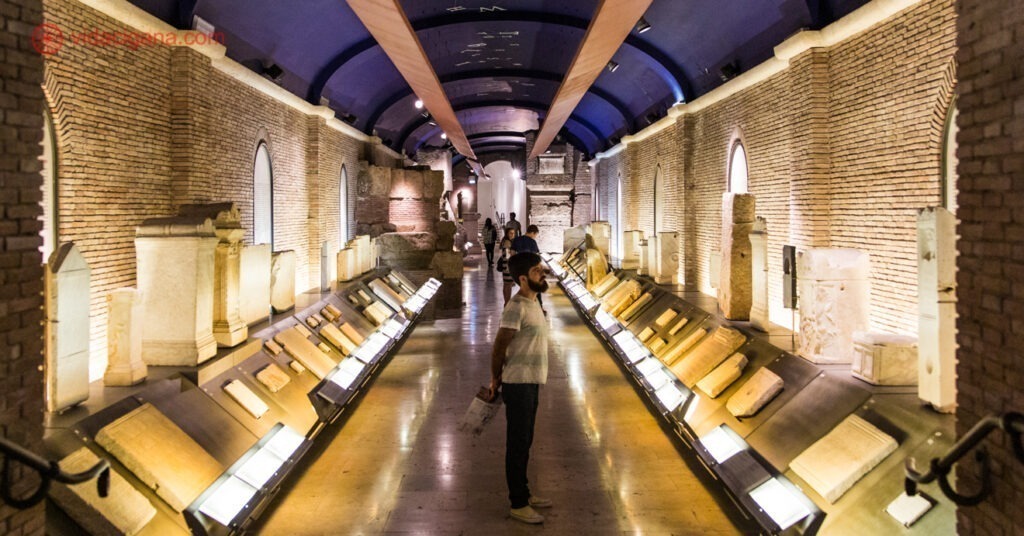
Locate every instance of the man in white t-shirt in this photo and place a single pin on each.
(519, 366)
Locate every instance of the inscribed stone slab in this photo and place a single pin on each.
(273, 377)
(678, 326)
(352, 333)
(254, 283)
(604, 285)
(338, 339)
(633, 309)
(834, 463)
(722, 377)
(250, 401)
(647, 333)
(124, 507)
(377, 313)
(707, 355)
(272, 347)
(677, 350)
(161, 455)
(758, 391)
(386, 293)
(282, 280)
(305, 352)
(665, 318)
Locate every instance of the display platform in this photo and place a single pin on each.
(746, 410)
(206, 448)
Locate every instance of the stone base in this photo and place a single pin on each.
(228, 336)
(178, 353)
(125, 376)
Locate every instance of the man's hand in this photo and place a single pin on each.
(492, 391)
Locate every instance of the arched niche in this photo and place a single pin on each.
(263, 196)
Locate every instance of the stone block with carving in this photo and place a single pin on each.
(254, 283)
(66, 292)
(273, 377)
(124, 338)
(678, 349)
(340, 341)
(386, 293)
(735, 278)
(759, 275)
(724, 374)
(297, 344)
(665, 317)
(446, 235)
(282, 281)
(175, 275)
(352, 333)
(631, 249)
(635, 307)
(707, 355)
(835, 301)
(602, 233)
(447, 265)
(667, 258)
(760, 389)
(606, 284)
(834, 463)
(884, 359)
(124, 507)
(627, 291)
(161, 455)
(377, 313)
(250, 401)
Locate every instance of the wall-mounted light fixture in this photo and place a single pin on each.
(642, 25)
(612, 66)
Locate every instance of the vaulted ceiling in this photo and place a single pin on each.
(500, 62)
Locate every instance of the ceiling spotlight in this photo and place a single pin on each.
(444, 136)
(729, 71)
(273, 71)
(418, 104)
(642, 25)
(612, 66)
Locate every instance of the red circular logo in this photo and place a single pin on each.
(47, 39)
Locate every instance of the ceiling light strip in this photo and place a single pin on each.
(387, 23)
(612, 23)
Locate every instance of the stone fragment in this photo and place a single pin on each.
(679, 349)
(386, 293)
(760, 389)
(884, 359)
(667, 258)
(936, 284)
(628, 289)
(338, 339)
(272, 347)
(835, 300)
(665, 317)
(446, 235)
(311, 322)
(377, 313)
(348, 265)
(250, 401)
(707, 355)
(254, 283)
(124, 338)
(602, 233)
(606, 284)
(634, 308)
(834, 463)
(722, 377)
(656, 344)
(282, 281)
(735, 279)
(573, 237)
(273, 377)
(297, 367)
(447, 265)
(759, 275)
(413, 250)
(124, 507)
(305, 352)
(678, 326)
(646, 334)
(352, 333)
(631, 249)
(303, 330)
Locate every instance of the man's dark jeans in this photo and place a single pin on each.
(521, 412)
(490, 252)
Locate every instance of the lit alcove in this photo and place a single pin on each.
(659, 201)
(618, 218)
(48, 160)
(949, 160)
(738, 169)
(263, 197)
(343, 236)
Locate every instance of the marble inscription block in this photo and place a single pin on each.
(250, 401)
(936, 284)
(606, 284)
(162, 456)
(272, 347)
(722, 377)
(624, 290)
(884, 359)
(352, 333)
(759, 275)
(631, 249)
(633, 309)
(338, 339)
(228, 328)
(124, 338)
(678, 326)
(834, 463)
(305, 352)
(647, 333)
(665, 317)
(377, 313)
(623, 304)
(760, 389)
(273, 377)
(254, 284)
(677, 350)
(364, 252)
(348, 264)
(735, 282)
(656, 344)
(282, 281)
(124, 507)
(175, 275)
(667, 258)
(303, 330)
(66, 290)
(707, 355)
(602, 233)
(835, 300)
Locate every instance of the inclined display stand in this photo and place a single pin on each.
(255, 411)
(751, 456)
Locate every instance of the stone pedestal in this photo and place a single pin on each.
(254, 284)
(734, 287)
(66, 293)
(175, 273)
(447, 265)
(282, 281)
(446, 236)
(364, 255)
(572, 237)
(602, 233)
(759, 275)
(835, 299)
(884, 359)
(645, 251)
(124, 338)
(667, 258)
(328, 266)
(631, 249)
(936, 283)
(348, 265)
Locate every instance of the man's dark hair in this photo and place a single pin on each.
(521, 263)
(512, 215)
(532, 229)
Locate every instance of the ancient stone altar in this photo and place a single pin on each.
(734, 287)
(66, 292)
(124, 338)
(835, 296)
(884, 359)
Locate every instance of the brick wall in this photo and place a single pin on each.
(21, 273)
(841, 152)
(142, 131)
(990, 286)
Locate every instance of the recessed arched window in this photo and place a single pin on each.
(343, 208)
(949, 160)
(738, 169)
(659, 201)
(48, 158)
(263, 197)
(618, 218)
(597, 204)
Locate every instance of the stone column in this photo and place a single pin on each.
(667, 258)
(254, 284)
(835, 300)
(282, 281)
(124, 338)
(66, 298)
(631, 249)
(602, 233)
(936, 283)
(759, 275)
(175, 273)
(734, 292)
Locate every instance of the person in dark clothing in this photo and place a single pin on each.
(528, 243)
(514, 224)
(490, 237)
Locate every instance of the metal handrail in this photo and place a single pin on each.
(48, 471)
(939, 468)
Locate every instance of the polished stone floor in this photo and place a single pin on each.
(398, 464)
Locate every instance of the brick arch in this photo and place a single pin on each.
(944, 99)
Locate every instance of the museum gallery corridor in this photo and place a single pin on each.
(400, 466)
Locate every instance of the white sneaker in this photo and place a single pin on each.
(526, 514)
(538, 502)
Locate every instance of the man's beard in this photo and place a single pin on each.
(538, 287)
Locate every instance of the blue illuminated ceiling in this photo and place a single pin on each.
(501, 62)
